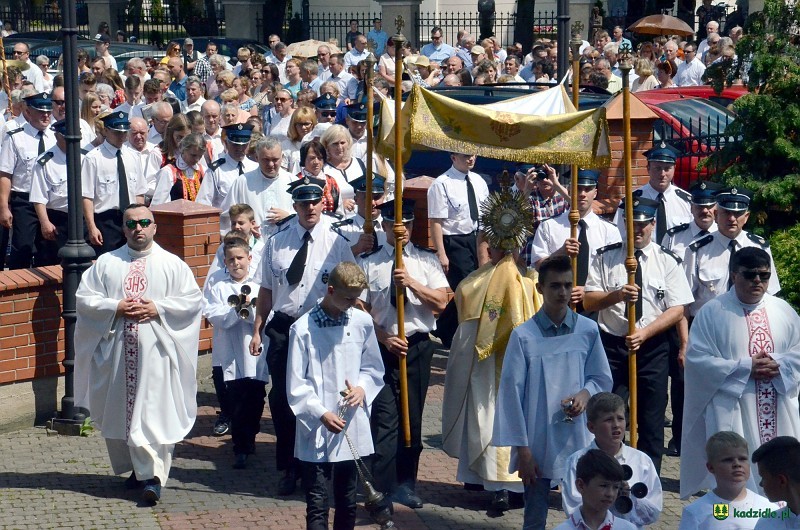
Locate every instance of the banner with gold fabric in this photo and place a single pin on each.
(435, 121)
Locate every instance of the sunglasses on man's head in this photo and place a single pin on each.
(751, 275)
(144, 223)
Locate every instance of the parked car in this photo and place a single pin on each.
(227, 46)
(692, 125)
(53, 50)
(724, 98)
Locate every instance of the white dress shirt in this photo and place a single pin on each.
(221, 174)
(677, 206)
(49, 180)
(19, 153)
(150, 160)
(261, 193)
(99, 176)
(690, 73)
(449, 202)
(553, 232)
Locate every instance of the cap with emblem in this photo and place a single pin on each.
(643, 209)
(306, 189)
(662, 152)
(358, 111)
(588, 177)
(102, 37)
(117, 121)
(326, 102)
(238, 133)
(40, 101)
(704, 193)
(387, 210)
(60, 126)
(734, 199)
(360, 184)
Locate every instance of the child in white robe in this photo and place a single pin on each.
(243, 224)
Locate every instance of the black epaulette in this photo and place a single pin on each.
(683, 194)
(638, 193)
(679, 228)
(758, 240)
(700, 243)
(612, 246)
(343, 222)
(668, 251)
(14, 131)
(333, 214)
(216, 163)
(286, 219)
(84, 151)
(370, 253)
(44, 158)
(424, 249)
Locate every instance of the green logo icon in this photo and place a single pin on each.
(720, 512)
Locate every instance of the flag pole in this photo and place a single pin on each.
(399, 229)
(574, 214)
(370, 76)
(625, 57)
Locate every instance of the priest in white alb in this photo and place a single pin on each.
(742, 369)
(136, 342)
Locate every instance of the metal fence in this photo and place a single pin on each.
(334, 26)
(44, 18)
(157, 26)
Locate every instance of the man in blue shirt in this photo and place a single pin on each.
(376, 38)
(437, 50)
(178, 85)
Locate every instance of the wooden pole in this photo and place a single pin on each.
(399, 229)
(574, 214)
(370, 61)
(6, 82)
(630, 261)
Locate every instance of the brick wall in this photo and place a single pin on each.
(31, 328)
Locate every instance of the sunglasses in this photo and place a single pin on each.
(283, 100)
(144, 223)
(328, 113)
(764, 276)
(58, 101)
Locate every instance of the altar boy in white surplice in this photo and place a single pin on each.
(136, 343)
(742, 369)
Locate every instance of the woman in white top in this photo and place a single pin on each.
(303, 121)
(277, 122)
(43, 63)
(342, 166)
(646, 79)
(386, 63)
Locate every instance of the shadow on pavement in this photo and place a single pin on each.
(102, 486)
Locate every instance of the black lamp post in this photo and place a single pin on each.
(562, 25)
(76, 254)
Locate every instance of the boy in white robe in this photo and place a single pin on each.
(729, 462)
(243, 223)
(778, 463)
(605, 419)
(244, 375)
(553, 364)
(136, 342)
(742, 369)
(334, 372)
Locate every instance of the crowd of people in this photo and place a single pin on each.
(304, 289)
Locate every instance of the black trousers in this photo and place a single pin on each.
(247, 406)
(282, 416)
(462, 252)
(393, 463)
(110, 225)
(223, 394)
(48, 250)
(26, 236)
(675, 388)
(315, 477)
(652, 367)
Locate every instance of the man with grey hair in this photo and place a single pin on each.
(210, 111)
(712, 26)
(602, 66)
(671, 51)
(264, 188)
(323, 56)
(464, 48)
(161, 113)
(22, 52)
(137, 66)
(451, 80)
(279, 58)
(357, 54)
(194, 94)
(148, 154)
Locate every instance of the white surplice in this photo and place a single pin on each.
(699, 515)
(720, 393)
(151, 398)
(538, 372)
(320, 360)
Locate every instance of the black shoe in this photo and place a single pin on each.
(500, 502)
(287, 484)
(406, 496)
(133, 483)
(222, 425)
(240, 462)
(473, 487)
(672, 449)
(152, 491)
(516, 500)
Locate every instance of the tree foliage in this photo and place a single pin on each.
(766, 160)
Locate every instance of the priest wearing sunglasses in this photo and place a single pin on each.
(136, 341)
(742, 367)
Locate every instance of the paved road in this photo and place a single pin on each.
(51, 481)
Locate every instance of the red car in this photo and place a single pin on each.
(724, 98)
(692, 125)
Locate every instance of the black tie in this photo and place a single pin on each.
(241, 168)
(375, 235)
(473, 202)
(732, 250)
(639, 305)
(124, 198)
(298, 265)
(40, 134)
(583, 254)
(661, 219)
(393, 291)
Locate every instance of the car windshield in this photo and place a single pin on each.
(699, 116)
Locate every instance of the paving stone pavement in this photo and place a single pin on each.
(51, 481)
